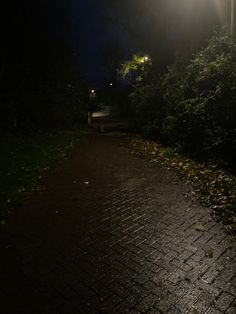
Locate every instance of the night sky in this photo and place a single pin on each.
(161, 28)
(100, 34)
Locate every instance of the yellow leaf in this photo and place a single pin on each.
(209, 254)
(200, 227)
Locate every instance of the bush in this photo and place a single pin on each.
(202, 98)
(147, 104)
(193, 105)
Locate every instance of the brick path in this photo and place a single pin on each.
(126, 242)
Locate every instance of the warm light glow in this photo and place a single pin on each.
(221, 8)
(93, 91)
(144, 59)
(111, 84)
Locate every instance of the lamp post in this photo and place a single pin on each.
(92, 97)
(232, 17)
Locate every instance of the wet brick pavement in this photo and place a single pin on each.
(125, 242)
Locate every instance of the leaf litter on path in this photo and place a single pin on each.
(200, 227)
(216, 188)
(209, 254)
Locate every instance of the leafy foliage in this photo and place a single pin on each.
(203, 99)
(137, 69)
(193, 105)
(147, 105)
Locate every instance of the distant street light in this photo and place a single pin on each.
(92, 98)
(144, 59)
(92, 94)
(111, 84)
(232, 17)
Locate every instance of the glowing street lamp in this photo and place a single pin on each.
(92, 94)
(144, 59)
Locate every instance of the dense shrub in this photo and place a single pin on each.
(147, 104)
(202, 98)
(193, 105)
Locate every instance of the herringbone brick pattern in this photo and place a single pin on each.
(113, 235)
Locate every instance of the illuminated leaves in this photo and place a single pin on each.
(138, 65)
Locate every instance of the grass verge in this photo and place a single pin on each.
(24, 162)
(217, 187)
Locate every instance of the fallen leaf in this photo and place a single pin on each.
(200, 227)
(233, 226)
(209, 254)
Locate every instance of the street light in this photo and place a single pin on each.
(232, 18)
(144, 59)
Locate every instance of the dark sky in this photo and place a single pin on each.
(99, 34)
(93, 38)
(158, 27)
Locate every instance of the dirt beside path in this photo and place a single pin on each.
(111, 234)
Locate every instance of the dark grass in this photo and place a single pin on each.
(25, 160)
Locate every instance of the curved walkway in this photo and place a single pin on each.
(112, 235)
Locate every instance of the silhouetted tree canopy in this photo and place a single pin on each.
(41, 74)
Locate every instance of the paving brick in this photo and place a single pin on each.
(146, 304)
(166, 303)
(210, 275)
(153, 311)
(231, 310)
(213, 310)
(224, 301)
(203, 303)
(176, 276)
(174, 310)
(186, 302)
(126, 243)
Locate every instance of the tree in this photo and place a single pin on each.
(41, 79)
